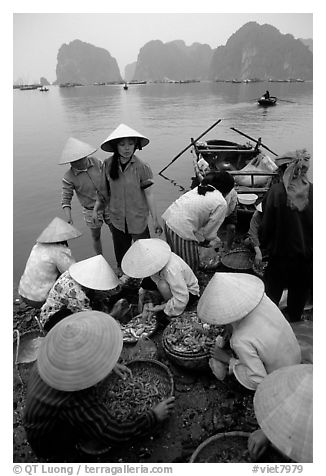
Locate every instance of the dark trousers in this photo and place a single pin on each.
(295, 274)
(122, 241)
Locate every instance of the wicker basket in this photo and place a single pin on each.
(189, 358)
(239, 260)
(133, 339)
(193, 361)
(215, 449)
(147, 371)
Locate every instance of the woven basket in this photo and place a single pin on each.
(129, 339)
(192, 361)
(146, 370)
(238, 259)
(215, 449)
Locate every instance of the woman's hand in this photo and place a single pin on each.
(219, 354)
(122, 370)
(164, 409)
(257, 444)
(95, 219)
(157, 228)
(158, 307)
(258, 257)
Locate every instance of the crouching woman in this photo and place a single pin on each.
(64, 407)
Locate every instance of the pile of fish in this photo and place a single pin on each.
(127, 399)
(187, 334)
(138, 327)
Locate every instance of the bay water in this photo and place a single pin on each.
(168, 114)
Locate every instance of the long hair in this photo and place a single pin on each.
(221, 181)
(114, 169)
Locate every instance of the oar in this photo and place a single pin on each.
(255, 140)
(192, 142)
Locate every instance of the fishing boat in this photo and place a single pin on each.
(271, 101)
(252, 169)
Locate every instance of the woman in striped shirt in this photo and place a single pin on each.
(196, 216)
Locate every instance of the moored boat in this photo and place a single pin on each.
(271, 101)
(253, 170)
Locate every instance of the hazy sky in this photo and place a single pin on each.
(38, 36)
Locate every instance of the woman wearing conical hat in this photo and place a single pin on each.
(74, 291)
(163, 272)
(65, 406)
(50, 257)
(262, 339)
(130, 184)
(85, 178)
(283, 405)
(287, 233)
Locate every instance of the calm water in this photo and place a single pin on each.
(169, 114)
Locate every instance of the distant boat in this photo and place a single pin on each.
(44, 88)
(137, 82)
(125, 86)
(271, 101)
(28, 86)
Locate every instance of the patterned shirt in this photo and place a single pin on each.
(52, 415)
(66, 292)
(181, 280)
(86, 183)
(193, 214)
(45, 263)
(263, 342)
(128, 203)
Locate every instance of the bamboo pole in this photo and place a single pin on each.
(192, 143)
(255, 140)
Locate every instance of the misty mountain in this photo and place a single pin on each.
(173, 60)
(130, 71)
(308, 42)
(261, 51)
(80, 62)
(44, 81)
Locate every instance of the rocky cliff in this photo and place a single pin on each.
(261, 51)
(173, 60)
(130, 71)
(80, 62)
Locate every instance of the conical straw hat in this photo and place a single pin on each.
(75, 149)
(283, 406)
(80, 351)
(145, 257)
(94, 273)
(58, 230)
(121, 132)
(229, 297)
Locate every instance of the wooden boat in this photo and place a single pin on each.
(271, 101)
(223, 155)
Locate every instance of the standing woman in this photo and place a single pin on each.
(130, 184)
(197, 215)
(287, 233)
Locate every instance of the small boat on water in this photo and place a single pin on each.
(271, 101)
(125, 86)
(253, 170)
(43, 88)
